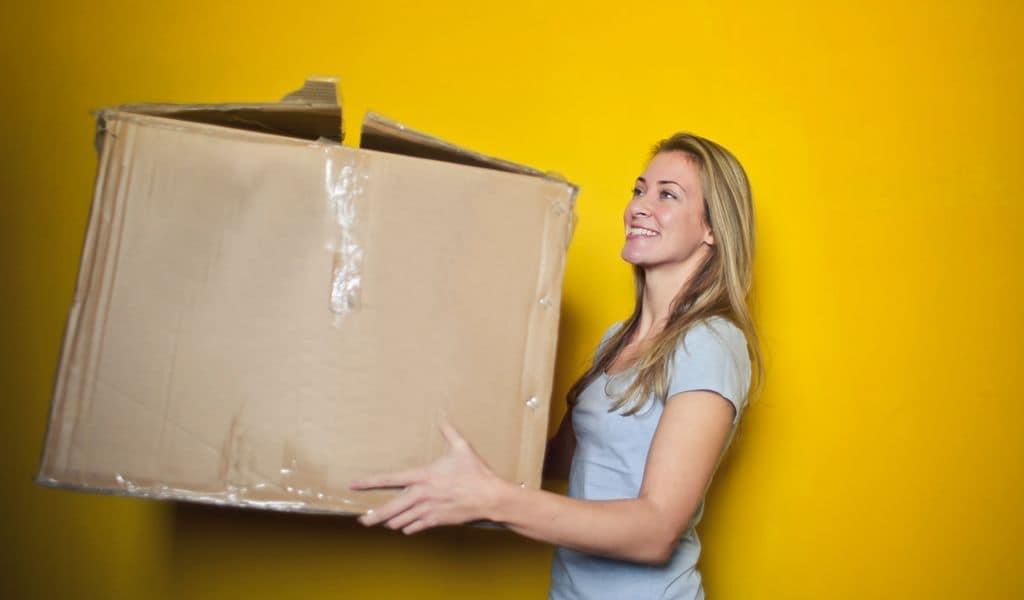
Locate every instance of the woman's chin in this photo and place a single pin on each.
(634, 258)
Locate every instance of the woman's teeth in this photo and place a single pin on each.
(641, 231)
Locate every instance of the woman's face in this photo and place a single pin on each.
(664, 221)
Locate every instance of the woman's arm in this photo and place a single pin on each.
(459, 487)
(623, 529)
(558, 457)
(685, 450)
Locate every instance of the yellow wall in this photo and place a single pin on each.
(885, 459)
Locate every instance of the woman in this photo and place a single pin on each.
(651, 419)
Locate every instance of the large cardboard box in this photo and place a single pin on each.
(263, 314)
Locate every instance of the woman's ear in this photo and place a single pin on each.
(709, 237)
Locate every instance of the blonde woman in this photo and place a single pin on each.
(651, 419)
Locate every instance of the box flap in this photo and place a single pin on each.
(311, 112)
(387, 135)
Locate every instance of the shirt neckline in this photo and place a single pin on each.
(623, 372)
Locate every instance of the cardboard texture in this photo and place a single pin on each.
(263, 314)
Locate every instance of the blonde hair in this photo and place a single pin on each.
(719, 286)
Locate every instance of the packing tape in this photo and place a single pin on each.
(345, 180)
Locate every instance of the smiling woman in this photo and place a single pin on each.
(651, 419)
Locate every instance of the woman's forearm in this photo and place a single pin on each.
(629, 529)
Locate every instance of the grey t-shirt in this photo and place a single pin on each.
(611, 454)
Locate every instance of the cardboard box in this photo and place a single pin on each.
(263, 314)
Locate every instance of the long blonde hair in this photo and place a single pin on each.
(719, 286)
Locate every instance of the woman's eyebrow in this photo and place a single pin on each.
(661, 181)
(665, 181)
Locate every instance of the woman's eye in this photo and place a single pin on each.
(636, 191)
(669, 194)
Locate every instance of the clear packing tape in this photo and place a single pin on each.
(345, 182)
(231, 495)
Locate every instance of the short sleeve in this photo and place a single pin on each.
(714, 357)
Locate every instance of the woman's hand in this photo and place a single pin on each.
(457, 488)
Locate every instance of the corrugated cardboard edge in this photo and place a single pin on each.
(315, 91)
(95, 246)
(542, 334)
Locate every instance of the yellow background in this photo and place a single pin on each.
(885, 459)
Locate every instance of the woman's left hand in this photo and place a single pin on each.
(457, 488)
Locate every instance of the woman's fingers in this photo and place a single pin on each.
(396, 505)
(452, 435)
(456, 484)
(419, 525)
(409, 516)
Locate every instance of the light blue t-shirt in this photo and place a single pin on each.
(611, 454)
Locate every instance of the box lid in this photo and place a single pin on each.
(310, 112)
(388, 135)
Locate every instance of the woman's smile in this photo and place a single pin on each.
(640, 232)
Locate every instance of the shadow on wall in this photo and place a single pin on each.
(259, 553)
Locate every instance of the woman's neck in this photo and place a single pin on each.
(662, 284)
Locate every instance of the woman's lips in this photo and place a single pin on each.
(641, 232)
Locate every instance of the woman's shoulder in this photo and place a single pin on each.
(717, 325)
(713, 356)
(716, 334)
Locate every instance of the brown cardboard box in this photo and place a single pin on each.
(263, 314)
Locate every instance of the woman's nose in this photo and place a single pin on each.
(640, 210)
(639, 206)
